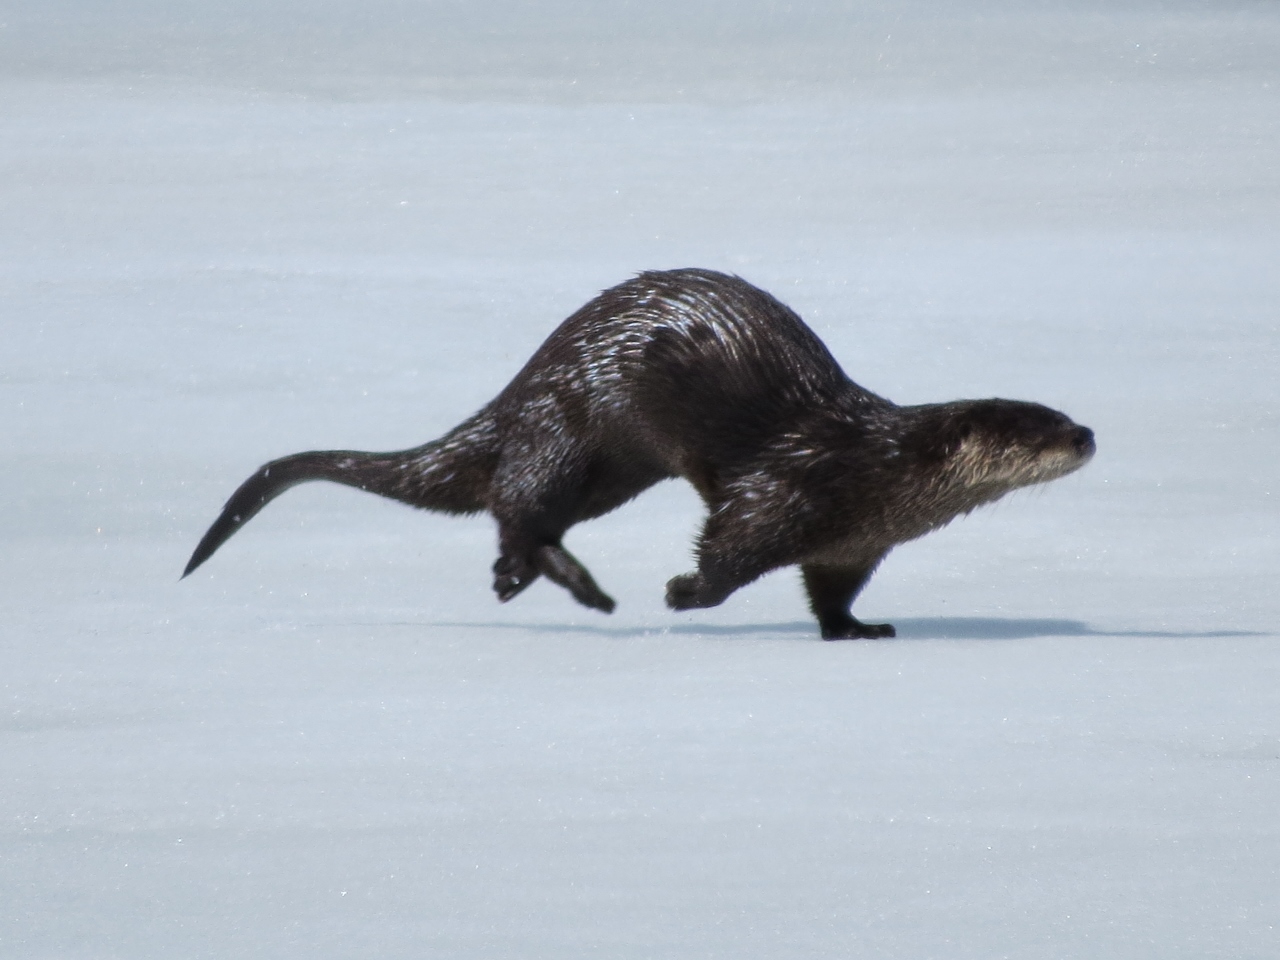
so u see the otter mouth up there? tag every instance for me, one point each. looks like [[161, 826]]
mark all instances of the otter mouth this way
[[1080, 446], [1083, 445], [1066, 456]]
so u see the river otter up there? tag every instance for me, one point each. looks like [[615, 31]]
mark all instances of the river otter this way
[[696, 374]]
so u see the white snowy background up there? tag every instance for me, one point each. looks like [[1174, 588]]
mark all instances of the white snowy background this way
[[231, 231]]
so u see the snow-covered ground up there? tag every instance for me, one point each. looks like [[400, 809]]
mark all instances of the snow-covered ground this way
[[229, 234]]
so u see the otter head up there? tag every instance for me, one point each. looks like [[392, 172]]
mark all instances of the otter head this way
[[995, 446]]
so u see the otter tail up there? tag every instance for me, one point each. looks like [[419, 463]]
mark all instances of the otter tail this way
[[450, 475]]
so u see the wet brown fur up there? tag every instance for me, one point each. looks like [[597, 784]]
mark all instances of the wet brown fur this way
[[700, 375]]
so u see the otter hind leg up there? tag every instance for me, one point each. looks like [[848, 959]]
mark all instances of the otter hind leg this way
[[563, 568], [531, 524], [545, 490], [831, 592], [514, 572]]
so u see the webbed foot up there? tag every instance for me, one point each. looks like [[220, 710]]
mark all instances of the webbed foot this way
[[853, 629]]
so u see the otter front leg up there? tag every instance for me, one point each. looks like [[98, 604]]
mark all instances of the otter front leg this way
[[731, 553], [831, 592]]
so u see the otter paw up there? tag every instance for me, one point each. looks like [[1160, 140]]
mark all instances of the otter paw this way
[[512, 575], [596, 600], [682, 591], [852, 629], [690, 591]]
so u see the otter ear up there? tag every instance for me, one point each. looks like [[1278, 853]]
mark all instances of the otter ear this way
[[944, 443], [961, 431]]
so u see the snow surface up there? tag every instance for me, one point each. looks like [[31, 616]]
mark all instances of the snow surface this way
[[230, 234]]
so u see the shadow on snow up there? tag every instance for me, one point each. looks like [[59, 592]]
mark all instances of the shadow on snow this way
[[909, 628]]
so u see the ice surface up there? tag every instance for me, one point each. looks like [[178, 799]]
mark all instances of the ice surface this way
[[230, 234]]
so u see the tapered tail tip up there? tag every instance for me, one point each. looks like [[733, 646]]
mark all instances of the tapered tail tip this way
[[202, 553]]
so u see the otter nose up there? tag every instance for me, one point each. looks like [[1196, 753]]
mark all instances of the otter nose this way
[[1083, 442]]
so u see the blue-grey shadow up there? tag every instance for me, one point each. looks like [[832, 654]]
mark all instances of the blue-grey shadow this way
[[909, 628], [1002, 628]]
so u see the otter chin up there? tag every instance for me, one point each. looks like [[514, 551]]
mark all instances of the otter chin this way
[[700, 375]]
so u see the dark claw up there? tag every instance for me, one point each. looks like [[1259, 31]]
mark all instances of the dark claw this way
[[507, 587]]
